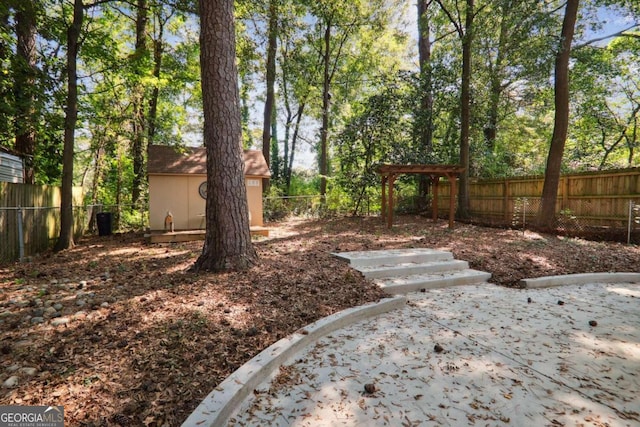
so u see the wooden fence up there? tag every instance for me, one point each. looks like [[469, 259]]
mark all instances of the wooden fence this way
[[585, 200], [36, 209]]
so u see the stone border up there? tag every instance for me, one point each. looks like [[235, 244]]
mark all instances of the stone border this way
[[580, 279], [216, 409]]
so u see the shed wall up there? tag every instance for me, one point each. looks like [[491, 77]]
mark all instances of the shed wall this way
[[11, 168], [179, 195]]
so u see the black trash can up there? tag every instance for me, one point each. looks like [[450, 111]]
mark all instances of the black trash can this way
[[103, 219]]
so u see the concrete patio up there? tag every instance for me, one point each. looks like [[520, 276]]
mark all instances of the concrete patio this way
[[470, 354]]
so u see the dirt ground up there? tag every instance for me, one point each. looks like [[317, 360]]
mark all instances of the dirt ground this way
[[120, 332]]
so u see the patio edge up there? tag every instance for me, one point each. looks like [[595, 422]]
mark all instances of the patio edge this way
[[216, 409], [580, 279]]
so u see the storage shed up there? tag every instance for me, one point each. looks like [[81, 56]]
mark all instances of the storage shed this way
[[11, 168], [178, 182]]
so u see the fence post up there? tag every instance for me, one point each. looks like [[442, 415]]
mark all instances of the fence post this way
[[20, 234], [565, 193], [629, 222], [505, 201]]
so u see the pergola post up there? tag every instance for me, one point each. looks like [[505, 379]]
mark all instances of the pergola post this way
[[452, 199], [384, 196], [391, 181], [434, 203]]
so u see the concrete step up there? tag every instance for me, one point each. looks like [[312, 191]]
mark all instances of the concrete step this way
[[416, 282], [393, 256], [410, 268]]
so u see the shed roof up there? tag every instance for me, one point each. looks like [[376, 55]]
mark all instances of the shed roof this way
[[166, 160]]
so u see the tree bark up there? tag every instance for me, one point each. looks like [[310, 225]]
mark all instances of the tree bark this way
[[426, 107], [424, 54], [465, 112], [294, 140], [323, 163], [227, 243], [6, 95], [65, 240], [547, 215], [272, 45], [491, 128], [25, 86], [158, 48], [138, 148]]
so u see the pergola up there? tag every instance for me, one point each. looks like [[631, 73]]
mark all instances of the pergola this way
[[389, 174]]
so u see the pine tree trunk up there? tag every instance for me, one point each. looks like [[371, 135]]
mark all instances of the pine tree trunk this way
[[138, 148], [491, 128], [323, 163], [271, 79], [158, 48], [25, 86], [65, 240], [6, 88], [426, 107], [465, 112], [547, 215], [227, 243], [424, 53]]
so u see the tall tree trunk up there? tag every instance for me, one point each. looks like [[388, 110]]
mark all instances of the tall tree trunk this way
[[287, 136], [275, 149], [289, 140], [25, 86], [426, 103], [65, 240], [465, 112], [324, 131], [6, 88], [272, 46], [138, 148], [294, 140], [632, 141], [158, 48], [424, 53], [547, 215], [495, 91], [227, 244]]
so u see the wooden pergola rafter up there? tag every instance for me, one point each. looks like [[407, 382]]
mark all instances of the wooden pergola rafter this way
[[389, 174]]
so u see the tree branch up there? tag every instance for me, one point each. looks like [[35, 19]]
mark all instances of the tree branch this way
[[620, 33]]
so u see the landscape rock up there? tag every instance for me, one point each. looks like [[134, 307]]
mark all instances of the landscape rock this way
[[37, 320], [60, 321], [50, 311], [10, 382], [28, 371]]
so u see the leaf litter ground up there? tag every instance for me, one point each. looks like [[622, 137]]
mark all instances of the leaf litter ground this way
[[121, 333]]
